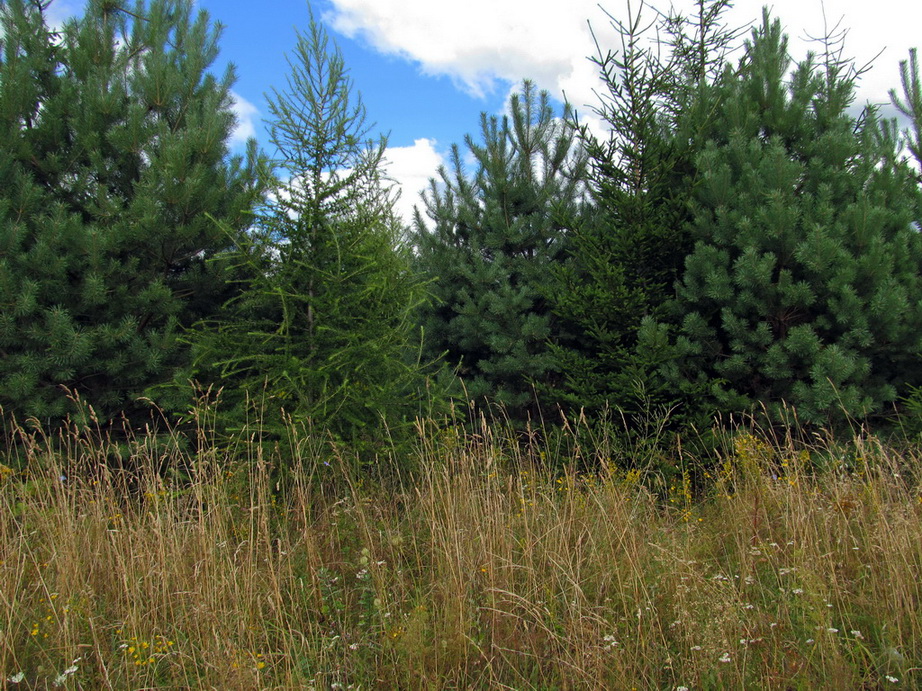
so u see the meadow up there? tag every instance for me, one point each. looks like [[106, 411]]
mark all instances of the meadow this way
[[778, 561]]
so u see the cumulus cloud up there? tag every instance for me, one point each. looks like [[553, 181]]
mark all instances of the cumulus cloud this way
[[485, 44], [489, 46], [411, 167], [479, 43], [247, 115]]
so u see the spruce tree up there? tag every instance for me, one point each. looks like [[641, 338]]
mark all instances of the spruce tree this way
[[803, 285], [620, 267], [113, 155], [322, 327], [488, 243]]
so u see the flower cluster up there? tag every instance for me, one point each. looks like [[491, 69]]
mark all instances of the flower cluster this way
[[142, 652]]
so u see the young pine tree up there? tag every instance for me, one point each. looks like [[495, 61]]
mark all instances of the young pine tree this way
[[909, 104], [804, 283], [113, 155], [491, 239], [322, 327]]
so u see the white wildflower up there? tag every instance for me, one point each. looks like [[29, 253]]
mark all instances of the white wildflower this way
[[61, 679]]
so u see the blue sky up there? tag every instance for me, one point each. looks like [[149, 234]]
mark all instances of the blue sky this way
[[422, 111], [402, 101], [427, 68]]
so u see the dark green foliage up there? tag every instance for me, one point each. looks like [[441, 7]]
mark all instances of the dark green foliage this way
[[804, 282], [322, 325], [621, 267], [490, 241], [112, 150]]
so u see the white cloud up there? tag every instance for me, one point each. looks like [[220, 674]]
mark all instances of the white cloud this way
[[411, 167], [482, 44], [478, 43], [890, 26], [408, 167], [489, 46], [246, 114]]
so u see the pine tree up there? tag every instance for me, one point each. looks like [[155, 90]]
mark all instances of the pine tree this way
[[322, 327], [490, 241], [803, 286], [113, 154], [910, 103]]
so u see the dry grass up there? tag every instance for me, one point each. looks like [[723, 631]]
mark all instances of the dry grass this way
[[483, 572]]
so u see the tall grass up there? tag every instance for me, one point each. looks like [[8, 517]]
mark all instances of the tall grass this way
[[484, 570]]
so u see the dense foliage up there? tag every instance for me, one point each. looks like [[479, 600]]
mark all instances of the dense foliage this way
[[622, 263], [803, 285], [113, 157], [322, 327], [491, 239], [740, 236]]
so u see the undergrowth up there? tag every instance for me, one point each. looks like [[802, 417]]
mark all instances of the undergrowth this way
[[774, 562]]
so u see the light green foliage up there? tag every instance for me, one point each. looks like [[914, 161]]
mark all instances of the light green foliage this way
[[491, 238], [112, 150], [804, 282], [321, 327], [910, 104]]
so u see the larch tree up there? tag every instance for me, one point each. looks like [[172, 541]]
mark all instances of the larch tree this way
[[322, 327]]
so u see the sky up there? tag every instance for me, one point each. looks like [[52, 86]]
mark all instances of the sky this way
[[426, 69]]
